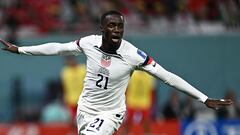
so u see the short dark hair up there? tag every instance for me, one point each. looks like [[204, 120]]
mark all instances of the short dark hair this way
[[111, 12]]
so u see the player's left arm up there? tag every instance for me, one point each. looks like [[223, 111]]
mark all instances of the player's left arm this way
[[173, 80]]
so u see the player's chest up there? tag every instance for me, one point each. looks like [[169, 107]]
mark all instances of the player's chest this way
[[113, 66]]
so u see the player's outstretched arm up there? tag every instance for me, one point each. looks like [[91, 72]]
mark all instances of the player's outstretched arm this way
[[9, 47], [180, 84], [70, 48], [217, 103]]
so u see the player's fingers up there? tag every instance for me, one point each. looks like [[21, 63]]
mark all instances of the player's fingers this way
[[222, 103], [226, 102], [4, 43]]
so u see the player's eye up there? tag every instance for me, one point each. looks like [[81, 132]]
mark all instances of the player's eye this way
[[110, 25]]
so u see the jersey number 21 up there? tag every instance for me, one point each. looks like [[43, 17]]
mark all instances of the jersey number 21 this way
[[102, 79]]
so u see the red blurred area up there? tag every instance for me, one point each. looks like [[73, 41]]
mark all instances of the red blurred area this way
[[163, 127], [37, 129], [169, 127]]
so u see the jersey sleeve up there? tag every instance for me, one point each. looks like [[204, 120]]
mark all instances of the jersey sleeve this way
[[70, 48], [173, 80]]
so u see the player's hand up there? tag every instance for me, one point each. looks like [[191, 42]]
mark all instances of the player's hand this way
[[218, 103], [8, 46]]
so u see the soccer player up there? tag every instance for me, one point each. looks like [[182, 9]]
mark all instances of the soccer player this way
[[110, 62]]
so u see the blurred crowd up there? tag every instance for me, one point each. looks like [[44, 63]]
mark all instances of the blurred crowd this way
[[32, 17]]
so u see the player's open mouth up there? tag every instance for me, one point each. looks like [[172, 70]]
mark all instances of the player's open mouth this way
[[115, 38]]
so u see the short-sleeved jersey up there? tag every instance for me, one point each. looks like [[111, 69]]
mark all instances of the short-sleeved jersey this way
[[107, 75]]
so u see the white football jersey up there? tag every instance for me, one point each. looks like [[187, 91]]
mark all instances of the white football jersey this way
[[107, 75]]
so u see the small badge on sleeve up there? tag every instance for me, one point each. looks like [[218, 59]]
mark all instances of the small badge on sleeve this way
[[142, 54]]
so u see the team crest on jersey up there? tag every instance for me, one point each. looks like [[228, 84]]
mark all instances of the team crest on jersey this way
[[142, 54], [106, 60]]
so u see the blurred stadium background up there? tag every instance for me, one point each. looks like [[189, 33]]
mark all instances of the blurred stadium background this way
[[196, 39]]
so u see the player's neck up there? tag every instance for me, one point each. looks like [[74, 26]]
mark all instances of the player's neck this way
[[107, 48]]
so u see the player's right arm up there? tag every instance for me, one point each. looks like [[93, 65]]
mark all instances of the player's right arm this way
[[71, 48], [146, 63]]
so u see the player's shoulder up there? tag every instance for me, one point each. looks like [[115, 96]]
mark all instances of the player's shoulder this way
[[132, 53], [91, 37], [127, 47], [91, 40]]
